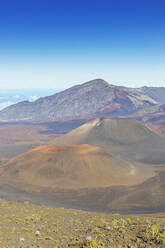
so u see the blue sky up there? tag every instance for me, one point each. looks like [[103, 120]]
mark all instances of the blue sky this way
[[56, 44]]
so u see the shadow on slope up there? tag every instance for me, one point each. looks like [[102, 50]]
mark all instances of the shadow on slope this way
[[127, 138]]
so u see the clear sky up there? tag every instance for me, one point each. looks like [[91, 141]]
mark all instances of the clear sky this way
[[57, 43]]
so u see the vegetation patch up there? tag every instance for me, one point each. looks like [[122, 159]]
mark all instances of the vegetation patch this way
[[27, 225]]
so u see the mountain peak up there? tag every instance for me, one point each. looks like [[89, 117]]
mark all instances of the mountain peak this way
[[95, 98], [97, 81]]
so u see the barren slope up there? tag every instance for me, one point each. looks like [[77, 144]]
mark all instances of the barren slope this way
[[88, 176], [80, 166], [113, 131], [29, 225], [127, 138], [90, 100]]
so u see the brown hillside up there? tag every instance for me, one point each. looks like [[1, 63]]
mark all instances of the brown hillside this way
[[24, 134], [79, 166], [127, 138], [108, 130]]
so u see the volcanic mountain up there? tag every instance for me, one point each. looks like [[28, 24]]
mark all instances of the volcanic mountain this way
[[112, 131], [105, 164], [78, 166], [127, 138], [90, 100]]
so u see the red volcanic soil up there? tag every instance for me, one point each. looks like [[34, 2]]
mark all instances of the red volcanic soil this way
[[110, 108], [120, 94], [22, 133], [158, 126], [156, 121], [92, 167], [78, 166]]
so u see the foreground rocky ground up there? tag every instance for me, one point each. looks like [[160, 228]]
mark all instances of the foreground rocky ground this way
[[23, 225]]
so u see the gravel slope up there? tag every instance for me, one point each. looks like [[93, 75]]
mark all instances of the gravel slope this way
[[25, 225]]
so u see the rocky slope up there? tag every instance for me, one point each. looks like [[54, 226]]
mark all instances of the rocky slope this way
[[27, 225], [127, 138], [89, 100], [155, 119], [156, 93]]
